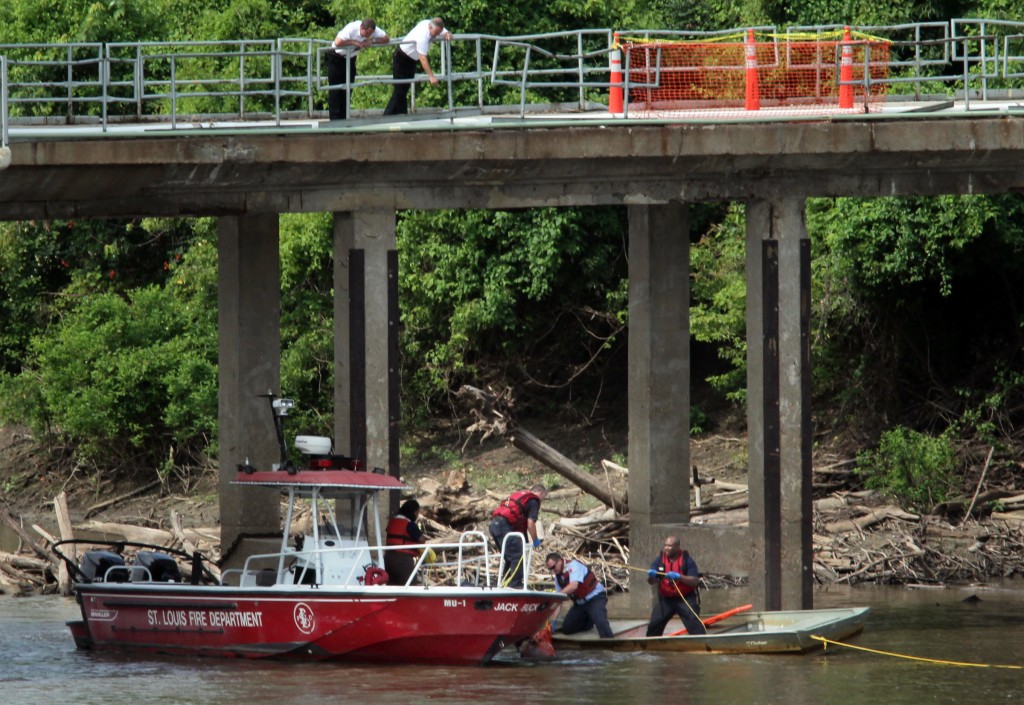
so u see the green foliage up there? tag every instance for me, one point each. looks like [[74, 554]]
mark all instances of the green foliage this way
[[888, 243], [45, 264], [540, 290], [718, 290], [893, 278], [307, 315], [910, 467], [127, 378], [66, 21], [698, 421], [987, 416]]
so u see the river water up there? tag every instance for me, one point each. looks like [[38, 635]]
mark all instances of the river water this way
[[40, 666]]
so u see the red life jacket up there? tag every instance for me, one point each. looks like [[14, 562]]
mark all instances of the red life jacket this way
[[398, 534], [513, 509], [583, 590], [671, 588]]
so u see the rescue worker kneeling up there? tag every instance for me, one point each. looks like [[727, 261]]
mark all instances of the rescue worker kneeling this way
[[589, 597], [403, 531]]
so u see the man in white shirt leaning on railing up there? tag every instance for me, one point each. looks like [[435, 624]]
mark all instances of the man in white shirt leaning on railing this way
[[410, 53], [359, 35]]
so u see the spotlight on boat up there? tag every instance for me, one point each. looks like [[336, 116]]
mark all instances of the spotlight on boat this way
[[282, 406]]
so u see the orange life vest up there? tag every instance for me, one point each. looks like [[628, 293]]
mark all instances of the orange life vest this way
[[583, 590], [398, 534], [671, 588], [513, 509]]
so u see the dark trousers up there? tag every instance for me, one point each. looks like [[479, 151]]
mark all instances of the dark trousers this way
[[399, 567], [402, 67], [337, 100], [592, 613], [688, 611], [513, 553]]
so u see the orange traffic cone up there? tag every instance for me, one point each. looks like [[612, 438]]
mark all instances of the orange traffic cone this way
[[753, 91], [846, 72], [615, 69]]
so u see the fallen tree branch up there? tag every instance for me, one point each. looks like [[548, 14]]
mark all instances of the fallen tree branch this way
[[120, 498], [536, 448]]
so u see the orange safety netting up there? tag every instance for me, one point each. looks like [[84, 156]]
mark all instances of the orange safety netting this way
[[786, 73]]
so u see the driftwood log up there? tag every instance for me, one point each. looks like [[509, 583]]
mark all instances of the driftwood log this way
[[492, 417], [537, 449]]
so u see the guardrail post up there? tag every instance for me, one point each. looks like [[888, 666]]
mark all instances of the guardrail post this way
[[522, 84], [447, 59], [580, 69], [138, 78], [479, 73], [174, 92], [5, 151], [71, 82], [278, 63], [625, 86], [105, 82], [241, 79]]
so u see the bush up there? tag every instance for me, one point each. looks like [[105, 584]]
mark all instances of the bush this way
[[912, 468], [127, 381]]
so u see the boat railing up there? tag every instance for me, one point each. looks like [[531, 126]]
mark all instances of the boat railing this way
[[466, 562], [467, 569], [525, 554]]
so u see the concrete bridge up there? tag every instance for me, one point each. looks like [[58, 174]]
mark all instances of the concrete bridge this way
[[365, 174]]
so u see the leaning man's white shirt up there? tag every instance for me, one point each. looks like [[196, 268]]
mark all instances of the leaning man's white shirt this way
[[420, 38], [350, 32]]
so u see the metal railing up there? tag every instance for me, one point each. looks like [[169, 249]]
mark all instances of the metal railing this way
[[277, 79], [4, 135]]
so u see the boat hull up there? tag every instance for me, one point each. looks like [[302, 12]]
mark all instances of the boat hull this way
[[400, 625], [751, 632]]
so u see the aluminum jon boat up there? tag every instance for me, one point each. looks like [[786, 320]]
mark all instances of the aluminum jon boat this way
[[746, 633], [324, 595]]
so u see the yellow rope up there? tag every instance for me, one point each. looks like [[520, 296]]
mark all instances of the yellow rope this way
[[509, 574], [645, 571], [826, 642]]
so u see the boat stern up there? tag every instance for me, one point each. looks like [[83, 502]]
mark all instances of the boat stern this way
[[80, 633]]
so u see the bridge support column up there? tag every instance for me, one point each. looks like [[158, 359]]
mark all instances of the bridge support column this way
[[779, 404], [349, 334], [249, 361], [659, 381], [366, 337]]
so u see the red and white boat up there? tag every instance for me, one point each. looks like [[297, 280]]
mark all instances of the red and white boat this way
[[322, 596]]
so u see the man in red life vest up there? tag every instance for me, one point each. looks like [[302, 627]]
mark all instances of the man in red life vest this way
[[589, 598], [519, 514], [402, 531], [677, 577]]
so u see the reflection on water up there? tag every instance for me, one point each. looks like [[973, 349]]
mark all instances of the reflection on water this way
[[39, 665]]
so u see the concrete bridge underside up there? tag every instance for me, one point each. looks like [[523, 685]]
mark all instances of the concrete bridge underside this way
[[249, 177]]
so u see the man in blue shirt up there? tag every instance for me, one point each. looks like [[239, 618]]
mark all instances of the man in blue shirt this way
[[589, 597]]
